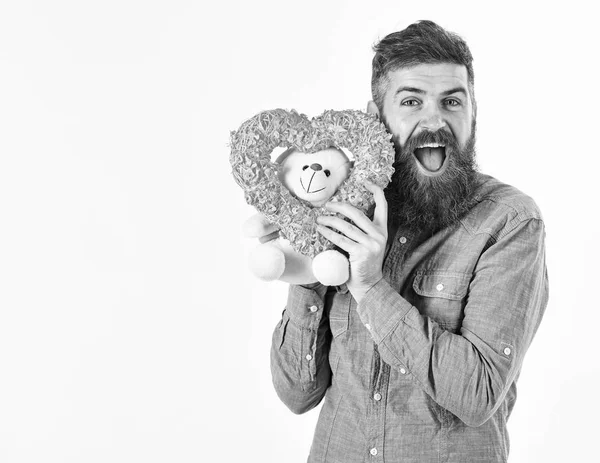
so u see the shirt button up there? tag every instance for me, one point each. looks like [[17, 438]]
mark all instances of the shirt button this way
[[367, 326], [309, 357], [403, 371], [507, 351], [402, 240], [313, 308], [439, 287], [373, 451], [377, 396]]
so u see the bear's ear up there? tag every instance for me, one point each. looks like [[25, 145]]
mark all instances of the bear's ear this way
[[283, 156]]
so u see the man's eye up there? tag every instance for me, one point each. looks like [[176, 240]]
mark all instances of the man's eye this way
[[452, 102], [410, 102]]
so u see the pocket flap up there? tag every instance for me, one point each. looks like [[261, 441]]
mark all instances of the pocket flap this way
[[447, 285]]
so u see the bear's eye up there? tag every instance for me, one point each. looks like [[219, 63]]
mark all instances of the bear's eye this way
[[305, 167], [327, 172]]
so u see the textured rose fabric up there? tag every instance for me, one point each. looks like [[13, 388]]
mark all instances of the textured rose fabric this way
[[425, 369]]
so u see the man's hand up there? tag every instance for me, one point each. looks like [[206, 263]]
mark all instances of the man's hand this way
[[365, 241]]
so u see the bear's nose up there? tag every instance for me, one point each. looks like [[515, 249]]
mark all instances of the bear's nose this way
[[316, 166]]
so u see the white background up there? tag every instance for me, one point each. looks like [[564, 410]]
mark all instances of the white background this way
[[130, 327]]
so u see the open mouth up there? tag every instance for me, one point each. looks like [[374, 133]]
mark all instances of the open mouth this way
[[431, 158]]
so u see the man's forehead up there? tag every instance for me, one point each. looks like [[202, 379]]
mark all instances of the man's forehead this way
[[431, 78]]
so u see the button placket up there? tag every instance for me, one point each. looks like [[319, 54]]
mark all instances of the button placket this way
[[396, 253]]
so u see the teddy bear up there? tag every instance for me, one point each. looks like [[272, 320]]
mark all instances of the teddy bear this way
[[290, 191], [314, 178]]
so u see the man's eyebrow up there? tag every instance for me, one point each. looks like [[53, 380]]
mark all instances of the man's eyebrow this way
[[459, 89], [409, 89], [455, 90]]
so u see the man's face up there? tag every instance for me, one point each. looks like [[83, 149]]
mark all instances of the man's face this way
[[428, 97], [430, 113]]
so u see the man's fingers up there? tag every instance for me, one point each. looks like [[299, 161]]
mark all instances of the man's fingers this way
[[359, 219], [381, 205], [339, 240], [379, 222], [342, 226]]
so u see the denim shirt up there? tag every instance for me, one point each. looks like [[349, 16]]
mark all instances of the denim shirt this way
[[425, 368]]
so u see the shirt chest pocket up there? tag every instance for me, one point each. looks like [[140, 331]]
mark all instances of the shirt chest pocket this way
[[442, 296]]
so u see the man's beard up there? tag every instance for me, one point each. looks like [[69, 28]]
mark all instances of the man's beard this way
[[423, 203]]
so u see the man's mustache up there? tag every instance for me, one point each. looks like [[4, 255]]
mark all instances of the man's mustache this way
[[441, 136]]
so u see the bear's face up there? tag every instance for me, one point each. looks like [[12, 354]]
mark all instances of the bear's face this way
[[314, 177]]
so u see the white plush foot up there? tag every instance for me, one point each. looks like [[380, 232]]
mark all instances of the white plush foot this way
[[331, 268], [267, 262]]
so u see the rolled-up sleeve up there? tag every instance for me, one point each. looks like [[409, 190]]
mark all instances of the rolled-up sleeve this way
[[469, 373], [300, 347]]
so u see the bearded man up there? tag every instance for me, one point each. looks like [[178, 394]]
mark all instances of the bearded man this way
[[418, 355]]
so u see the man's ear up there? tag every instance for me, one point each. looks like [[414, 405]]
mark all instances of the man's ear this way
[[373, 109]]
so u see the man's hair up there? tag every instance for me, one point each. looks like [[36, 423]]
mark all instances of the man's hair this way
[[423, 42]]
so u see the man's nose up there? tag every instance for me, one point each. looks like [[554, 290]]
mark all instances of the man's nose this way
[[432, 119]]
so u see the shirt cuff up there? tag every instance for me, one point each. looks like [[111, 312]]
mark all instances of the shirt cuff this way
[[382, 309], [305, 305]]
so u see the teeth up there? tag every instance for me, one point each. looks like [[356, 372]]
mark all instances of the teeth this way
[[431, 145]]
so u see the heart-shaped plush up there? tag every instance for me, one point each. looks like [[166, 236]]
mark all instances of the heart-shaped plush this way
[[359, 133]]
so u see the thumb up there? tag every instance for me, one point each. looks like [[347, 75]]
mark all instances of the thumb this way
[[381, 205]]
